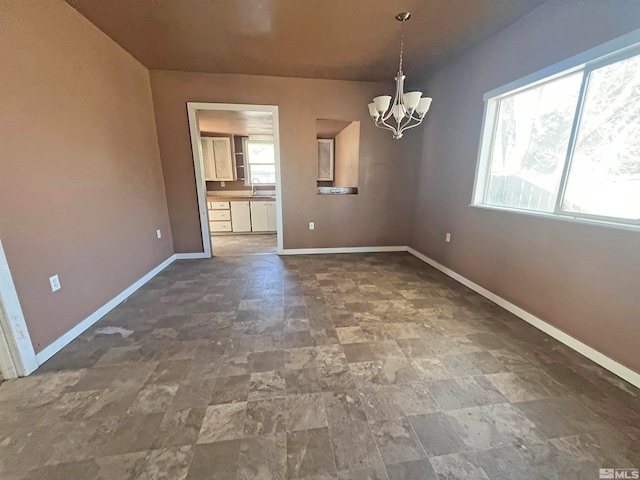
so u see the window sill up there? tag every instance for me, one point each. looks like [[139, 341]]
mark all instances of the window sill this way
[[563, 218]]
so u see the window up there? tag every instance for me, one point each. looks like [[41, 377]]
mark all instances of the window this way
[[260, 161], [567, 145]]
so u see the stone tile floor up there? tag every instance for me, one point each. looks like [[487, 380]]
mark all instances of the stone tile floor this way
[[249, 244], [318, 367]]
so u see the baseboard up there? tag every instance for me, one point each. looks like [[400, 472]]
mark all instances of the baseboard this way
[[65, 339], [320, 251], [191, 256], [592, 354]]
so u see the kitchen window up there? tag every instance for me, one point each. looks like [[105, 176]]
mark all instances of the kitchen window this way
[[566, 145], [260, 161]]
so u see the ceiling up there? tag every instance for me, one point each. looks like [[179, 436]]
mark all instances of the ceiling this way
[[337, 39], [235, 122]]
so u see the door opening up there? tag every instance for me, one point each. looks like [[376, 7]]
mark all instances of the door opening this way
[[236, 154]]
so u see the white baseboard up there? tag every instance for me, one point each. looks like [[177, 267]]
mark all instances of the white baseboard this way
[[191, 256], [592, 354], [320, 251], [65, 339], [582, 348]]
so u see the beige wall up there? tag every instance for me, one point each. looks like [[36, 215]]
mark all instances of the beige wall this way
[[582, 278], [236, 185], [376, 216], [347, 156], [81, 190]]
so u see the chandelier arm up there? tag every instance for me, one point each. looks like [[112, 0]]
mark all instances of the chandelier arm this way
[[407, 122], [418, 121], [396, 97], [411, 126], [383, 124], [417, 117]]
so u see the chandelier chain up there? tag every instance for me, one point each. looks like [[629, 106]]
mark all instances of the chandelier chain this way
[[401, 47]]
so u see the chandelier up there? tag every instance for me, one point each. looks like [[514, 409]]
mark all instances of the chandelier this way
[[408, 109]]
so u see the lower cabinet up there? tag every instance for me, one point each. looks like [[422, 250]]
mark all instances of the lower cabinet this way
[[220, 226], [259, 221], [241, 216], [219, 216], [271, 217], [263, 216]]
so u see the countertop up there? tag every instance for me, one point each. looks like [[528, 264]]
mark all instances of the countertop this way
[[238, 198]]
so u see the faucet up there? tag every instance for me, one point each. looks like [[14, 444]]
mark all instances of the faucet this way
[[254, 183]]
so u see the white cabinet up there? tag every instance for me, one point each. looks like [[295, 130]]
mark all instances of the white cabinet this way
[[259, 220], [325, 159], [218, 205], [240, 217], [271, 217], [219, 216], [217, 158], [263, 216], [220, 226], [207, 158]]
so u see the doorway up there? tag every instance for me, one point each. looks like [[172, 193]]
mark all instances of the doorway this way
[[7, 365], [17, 357], [236, 155]]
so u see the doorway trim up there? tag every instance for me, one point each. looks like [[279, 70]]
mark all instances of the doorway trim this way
[[17, 356], [196, 149]]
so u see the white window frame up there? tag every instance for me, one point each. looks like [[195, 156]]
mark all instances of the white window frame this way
[[248, 181], [614, 51]]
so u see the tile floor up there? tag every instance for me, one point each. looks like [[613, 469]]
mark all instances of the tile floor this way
[[253, 244], [317, 367]]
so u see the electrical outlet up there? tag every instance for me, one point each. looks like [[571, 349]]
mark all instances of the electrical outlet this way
[[312, 225], [55, 283], [447, 237], [159, 233], [222, 184]]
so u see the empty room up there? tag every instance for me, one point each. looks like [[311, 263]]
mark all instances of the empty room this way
[[319, 239]]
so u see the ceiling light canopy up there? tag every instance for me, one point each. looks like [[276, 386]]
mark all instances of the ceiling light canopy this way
[[407, 109]]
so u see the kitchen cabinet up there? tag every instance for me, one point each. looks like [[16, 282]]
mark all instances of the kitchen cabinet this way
[[219, 217], [325, 160], [263, 216], [217, 159], [259, 216], [271, 217], [240, 217]]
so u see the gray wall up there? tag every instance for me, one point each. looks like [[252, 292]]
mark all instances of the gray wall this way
[[582, 278]]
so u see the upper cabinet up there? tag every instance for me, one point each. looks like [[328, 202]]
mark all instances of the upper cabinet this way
[[325, 160], [218, 159]]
